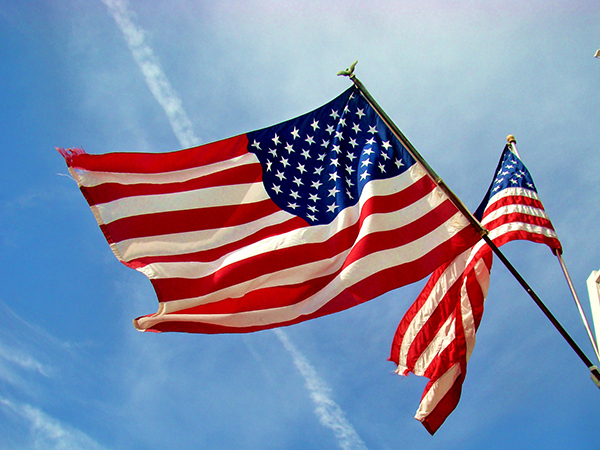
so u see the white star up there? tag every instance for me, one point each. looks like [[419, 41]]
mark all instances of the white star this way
[[316, 184], [356, 128], [349, 182], [273, 152], [353, 143], [301, 168], [322, 156], [342, 122], [311, 217], [306, 154], [386, 144], [295, 133], [276, 139], [325, 143], [334, 162], [349, 169], [360, 113], [364, 175], [289, 148], [318, 170], [381, 167], [333, 191], [398, 163], [332, 207], [280, 175], [339, 135], [372, 130], [333, 176], [346, 109], [514, 181], [366, 162], [336, 148], [351, 156], [298, 181], [256, 145], [295, 195], [285, 162], [309, 139], [349, 194], [334, 114], [385, 156], [277, 189], [330, 129], [314, 197], [371, 141], [312, 208], [368, 151], [315, 125], [292, 205], [269, 164]]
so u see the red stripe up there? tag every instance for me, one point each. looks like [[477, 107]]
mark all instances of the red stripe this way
[[161, 162], [180, 288], [157, 224], [516, 218], [108, 192], [215, 253], [367, 289], [512, 200]]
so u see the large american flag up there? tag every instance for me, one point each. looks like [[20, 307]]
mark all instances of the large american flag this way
[[273, 227], [436, 336]]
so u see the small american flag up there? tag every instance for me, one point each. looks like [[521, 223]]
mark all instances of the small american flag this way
[[436, 336], [273, 227]]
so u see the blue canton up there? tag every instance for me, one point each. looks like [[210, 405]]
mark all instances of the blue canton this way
[[511, 173], [318, 164]]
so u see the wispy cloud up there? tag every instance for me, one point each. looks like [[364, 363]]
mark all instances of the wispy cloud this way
[[48, 432], [328, 411], [156, 79]]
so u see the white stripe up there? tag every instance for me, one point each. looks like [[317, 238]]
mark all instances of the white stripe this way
[[355, 272], [444, 283], [511, 192], [237, 194], [178, 243], [195, 241], [514, 209], [90, 178], [436, 392], [315, 234], [443, 338]]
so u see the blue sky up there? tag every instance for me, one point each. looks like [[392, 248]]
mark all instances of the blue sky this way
[[456, 77]]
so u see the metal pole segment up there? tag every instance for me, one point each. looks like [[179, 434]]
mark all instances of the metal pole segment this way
[[413, 151], [513, 144], [592, 368], [577, 303]]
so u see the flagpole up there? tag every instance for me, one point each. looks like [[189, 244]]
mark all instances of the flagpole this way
[[412, 150], [474, 222], [513, 145]]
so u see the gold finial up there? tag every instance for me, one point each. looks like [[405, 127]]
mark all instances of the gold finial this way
[[510, 139], [348, 72]]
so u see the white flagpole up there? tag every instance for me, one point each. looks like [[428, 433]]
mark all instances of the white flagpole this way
[[513, 145]]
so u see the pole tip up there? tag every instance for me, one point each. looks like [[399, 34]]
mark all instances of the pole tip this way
[[510, 139], [349, 71]]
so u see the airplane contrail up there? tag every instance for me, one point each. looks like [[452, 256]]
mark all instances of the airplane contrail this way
[[156, 79], [328, 411]]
